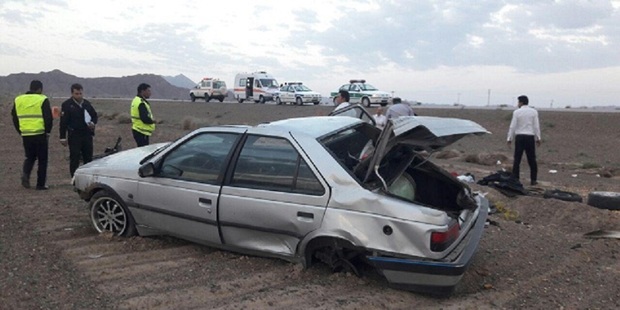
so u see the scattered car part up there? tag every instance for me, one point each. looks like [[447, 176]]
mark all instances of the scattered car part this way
[[603, 234], [604, 200], [562, 195]]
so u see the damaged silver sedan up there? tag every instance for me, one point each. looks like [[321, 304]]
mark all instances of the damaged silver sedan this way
[[335, 190]]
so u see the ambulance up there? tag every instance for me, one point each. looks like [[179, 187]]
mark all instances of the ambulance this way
[[257, 86]]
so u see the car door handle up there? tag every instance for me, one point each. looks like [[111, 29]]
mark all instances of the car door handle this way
[[305, 214], [204, 200]]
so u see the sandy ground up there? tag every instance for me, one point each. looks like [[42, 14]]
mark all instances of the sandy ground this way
[[534, 255]]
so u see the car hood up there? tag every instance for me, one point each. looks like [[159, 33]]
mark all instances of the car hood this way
[[122, 164], [422, 133]]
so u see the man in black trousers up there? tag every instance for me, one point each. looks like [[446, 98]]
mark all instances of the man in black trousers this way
[[525, 130], [77, 127], [32, 118]]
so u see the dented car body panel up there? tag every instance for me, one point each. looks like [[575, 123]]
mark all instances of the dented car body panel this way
[[313, 189]]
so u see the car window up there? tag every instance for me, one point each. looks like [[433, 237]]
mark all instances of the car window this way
[[274, 164], [355, 88], [199, 159], [368, 87], [344, 87], [351, 146], [242, 82]]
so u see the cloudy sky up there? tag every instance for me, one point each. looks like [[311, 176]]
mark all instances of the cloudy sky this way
[[560, 53]]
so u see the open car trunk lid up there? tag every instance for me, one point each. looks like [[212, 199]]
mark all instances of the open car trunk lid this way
[[421, 133]]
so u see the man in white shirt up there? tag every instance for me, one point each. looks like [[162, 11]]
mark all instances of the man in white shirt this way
[[342, 100], [525, 131], [380, 118]]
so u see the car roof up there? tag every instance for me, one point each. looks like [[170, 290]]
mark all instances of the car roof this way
[[314, 126]]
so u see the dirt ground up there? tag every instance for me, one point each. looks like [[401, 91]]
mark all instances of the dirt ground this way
[[533, 255]]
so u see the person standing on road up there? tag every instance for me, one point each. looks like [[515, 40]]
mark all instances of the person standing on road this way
[[380, 118], [525, 130], [143, 123], [342, 100], [32, 118], [399, 108], [77, 118]]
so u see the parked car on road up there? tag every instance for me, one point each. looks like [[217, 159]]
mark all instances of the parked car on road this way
[[363, 93], [298, 94], [209, 88], [330, 189]]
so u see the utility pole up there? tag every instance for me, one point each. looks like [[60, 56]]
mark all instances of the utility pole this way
[[458, 98], [489, 98], [551, 104]]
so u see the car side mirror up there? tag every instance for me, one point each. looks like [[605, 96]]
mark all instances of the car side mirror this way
[[146, 170]]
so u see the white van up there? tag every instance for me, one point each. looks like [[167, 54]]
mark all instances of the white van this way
[[258, 86], [209, 88]]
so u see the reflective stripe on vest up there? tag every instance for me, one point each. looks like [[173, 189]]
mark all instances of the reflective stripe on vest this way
[[137, 124], [29, 110]]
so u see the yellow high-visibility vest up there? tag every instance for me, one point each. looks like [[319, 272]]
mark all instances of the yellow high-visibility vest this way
[[29, 110], [137, 124]]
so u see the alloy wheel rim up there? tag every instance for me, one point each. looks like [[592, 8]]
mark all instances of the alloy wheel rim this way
[[109, 216]]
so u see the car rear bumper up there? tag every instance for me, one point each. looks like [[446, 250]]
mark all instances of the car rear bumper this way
[[432, 277]]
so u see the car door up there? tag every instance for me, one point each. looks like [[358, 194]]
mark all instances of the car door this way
[[272, 197], [287, 95], [181, 198]]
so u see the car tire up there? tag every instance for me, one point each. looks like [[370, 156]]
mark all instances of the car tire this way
[[562, 195], [334, 100], [366, 102], [221, 99], [316, 102], [108, 213], [191, 96], [604, 200], [239, 100], [207, 98], [299, 101], [278, 101], [261, 100], [383, 104]]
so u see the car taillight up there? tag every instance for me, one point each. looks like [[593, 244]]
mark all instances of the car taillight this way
[[441, 240]]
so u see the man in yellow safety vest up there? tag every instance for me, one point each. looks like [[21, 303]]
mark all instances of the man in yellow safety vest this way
[[142, 121], [32, 118]]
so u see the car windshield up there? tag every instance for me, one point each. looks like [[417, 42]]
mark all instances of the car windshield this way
[[271, 83], [219, 84], [302, 88], [367, 87]]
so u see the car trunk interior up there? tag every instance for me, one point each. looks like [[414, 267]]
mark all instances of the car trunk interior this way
[[410, 176]]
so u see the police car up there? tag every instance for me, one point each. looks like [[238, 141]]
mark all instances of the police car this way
[[363, 93], [297, 93]]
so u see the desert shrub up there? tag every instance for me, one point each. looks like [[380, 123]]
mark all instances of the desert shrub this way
[[123, 119], [549, 125], [590, 165], [567, 107], [189, 123]]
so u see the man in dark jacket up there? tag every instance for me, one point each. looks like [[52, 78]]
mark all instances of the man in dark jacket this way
[[77, 127], [32, 118]]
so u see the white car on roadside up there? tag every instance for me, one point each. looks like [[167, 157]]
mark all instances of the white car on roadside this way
[[297, 93]]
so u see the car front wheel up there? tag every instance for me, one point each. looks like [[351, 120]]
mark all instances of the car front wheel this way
[[108, 213], [299, 101], [207, 97], [278, 101], [192, 97]]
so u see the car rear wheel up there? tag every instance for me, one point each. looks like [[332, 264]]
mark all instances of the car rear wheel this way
[[221, 99], [366, 102], [192, 97], [261, 100], [383, 104], [207, 97], [298, 101], [108, 213], [240, 100]]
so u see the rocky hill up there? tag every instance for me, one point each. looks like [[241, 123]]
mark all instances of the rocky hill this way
[[57, 84]]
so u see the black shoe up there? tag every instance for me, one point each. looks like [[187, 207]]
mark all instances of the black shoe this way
[[43, 188], [25, 182]]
